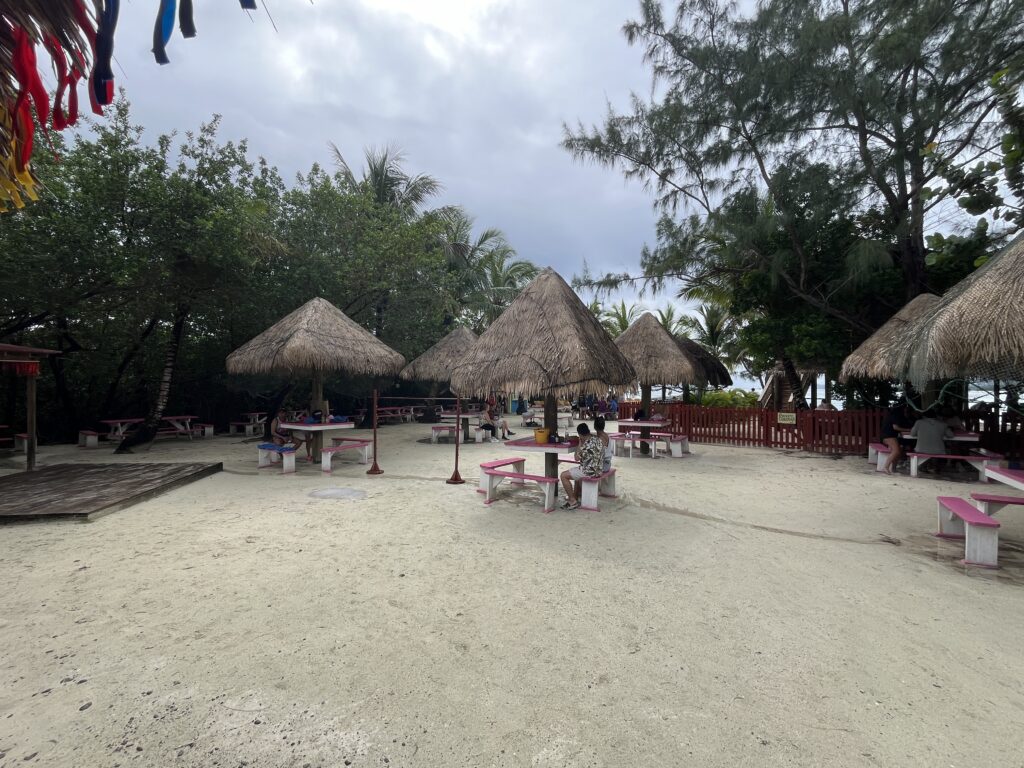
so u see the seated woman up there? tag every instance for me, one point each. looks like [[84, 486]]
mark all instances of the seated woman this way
[[493, 422], [283, 436], [897, 420]]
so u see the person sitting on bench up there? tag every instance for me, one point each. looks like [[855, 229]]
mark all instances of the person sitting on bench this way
[[492, 421], [282, 436], [931, 433], [896, 420], [590, 455]]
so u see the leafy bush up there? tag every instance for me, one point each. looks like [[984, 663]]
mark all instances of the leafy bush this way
[[733, 398]]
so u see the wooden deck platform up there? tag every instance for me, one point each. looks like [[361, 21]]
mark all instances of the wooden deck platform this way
[[87, 491]]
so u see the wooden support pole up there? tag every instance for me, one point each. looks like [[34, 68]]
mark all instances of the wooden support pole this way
[[456, 478], [645, 403], [551, 422], [30, 408], [317, 404], [375, 469]]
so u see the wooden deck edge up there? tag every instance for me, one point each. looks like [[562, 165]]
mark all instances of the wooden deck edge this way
[[147, 495]]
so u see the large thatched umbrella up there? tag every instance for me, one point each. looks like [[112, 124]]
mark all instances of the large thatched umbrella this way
[[878, 357], [657, 358], [715, 372], [436, 363], [315, 339], [546, 342], [975, 329]]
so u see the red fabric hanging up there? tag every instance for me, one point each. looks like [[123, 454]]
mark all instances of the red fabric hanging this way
[[24, 368]]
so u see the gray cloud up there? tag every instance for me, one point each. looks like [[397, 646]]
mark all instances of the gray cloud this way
[[478, 103]]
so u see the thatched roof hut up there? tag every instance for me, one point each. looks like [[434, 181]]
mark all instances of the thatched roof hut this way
[[656, 357], [715, 372], [545, 342], [878, 357], [315, 338], [437, 363], [975, 329]]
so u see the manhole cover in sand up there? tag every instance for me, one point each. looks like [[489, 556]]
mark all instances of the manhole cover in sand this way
[[338, 493]]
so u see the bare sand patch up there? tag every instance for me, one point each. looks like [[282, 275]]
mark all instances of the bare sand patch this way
[[739, 607]]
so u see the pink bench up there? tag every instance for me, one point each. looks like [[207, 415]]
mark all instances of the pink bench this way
[[518, 464], [272, 453], [86, 438], [959, 519], [593, 487], [978, 462], [496, 476], [344, 444], [450, 430], [990, 503]]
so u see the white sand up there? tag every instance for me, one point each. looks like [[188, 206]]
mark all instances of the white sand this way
[[736, 608]]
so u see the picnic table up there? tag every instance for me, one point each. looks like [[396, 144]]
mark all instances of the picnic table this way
[[181, 425], [316, 431], [256, 417], [958, 437], [529, 444], [465, 416], [1011, 477], [119, 427]]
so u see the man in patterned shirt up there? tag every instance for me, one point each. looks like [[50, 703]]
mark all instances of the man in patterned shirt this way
[[590, 455]]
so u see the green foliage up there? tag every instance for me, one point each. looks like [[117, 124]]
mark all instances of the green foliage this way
[[793, 149], [147, 264], [732, 398]]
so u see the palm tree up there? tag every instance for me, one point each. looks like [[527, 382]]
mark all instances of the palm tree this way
[[386, 180], [670, 321], [499, 279], [619, 317]]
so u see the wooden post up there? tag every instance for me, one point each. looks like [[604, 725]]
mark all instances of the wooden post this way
[[317, 404], [456, 478], [814, 391], [375, 470], [645, 403], [551, 422], [30, 408]]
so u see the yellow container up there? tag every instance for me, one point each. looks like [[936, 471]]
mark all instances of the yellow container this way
[[540, 436]]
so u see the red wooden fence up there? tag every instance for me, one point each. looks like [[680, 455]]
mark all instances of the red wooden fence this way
[[831, 432]]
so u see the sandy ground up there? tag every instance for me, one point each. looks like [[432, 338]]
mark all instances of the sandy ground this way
[[739, 607]]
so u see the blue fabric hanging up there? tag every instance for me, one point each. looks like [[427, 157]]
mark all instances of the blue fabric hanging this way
[[163, 29]]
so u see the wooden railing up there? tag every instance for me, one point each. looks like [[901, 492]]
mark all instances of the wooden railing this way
[[830, 432]]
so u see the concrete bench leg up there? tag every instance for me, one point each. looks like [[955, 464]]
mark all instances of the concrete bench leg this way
[[364, 455], [265, 459], [588, 495], [549, 496], [20, 444], [872, 453], [606, 487], [325, 461], [980, 465], [880, 459], [288, 463], [479, 435], [950, 526], [915, 464], [520, 468], [491, 489], [982, 546], [250, 430], [433, 435]]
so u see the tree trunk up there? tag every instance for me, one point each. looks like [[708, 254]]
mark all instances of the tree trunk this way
[[147, 430], [108, 399]]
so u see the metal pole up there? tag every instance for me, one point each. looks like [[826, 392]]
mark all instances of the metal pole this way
[[375, 470], [456, 478]]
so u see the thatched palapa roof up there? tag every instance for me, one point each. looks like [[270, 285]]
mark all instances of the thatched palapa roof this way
[[656, 357], [715, 372], [437, 363], [976, 330], [316, 337], [877, 357], [545, 342]]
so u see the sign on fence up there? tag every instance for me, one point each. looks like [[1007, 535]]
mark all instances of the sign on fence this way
[[787, 418]]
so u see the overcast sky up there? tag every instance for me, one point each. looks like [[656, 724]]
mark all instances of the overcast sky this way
[[474, 91]]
